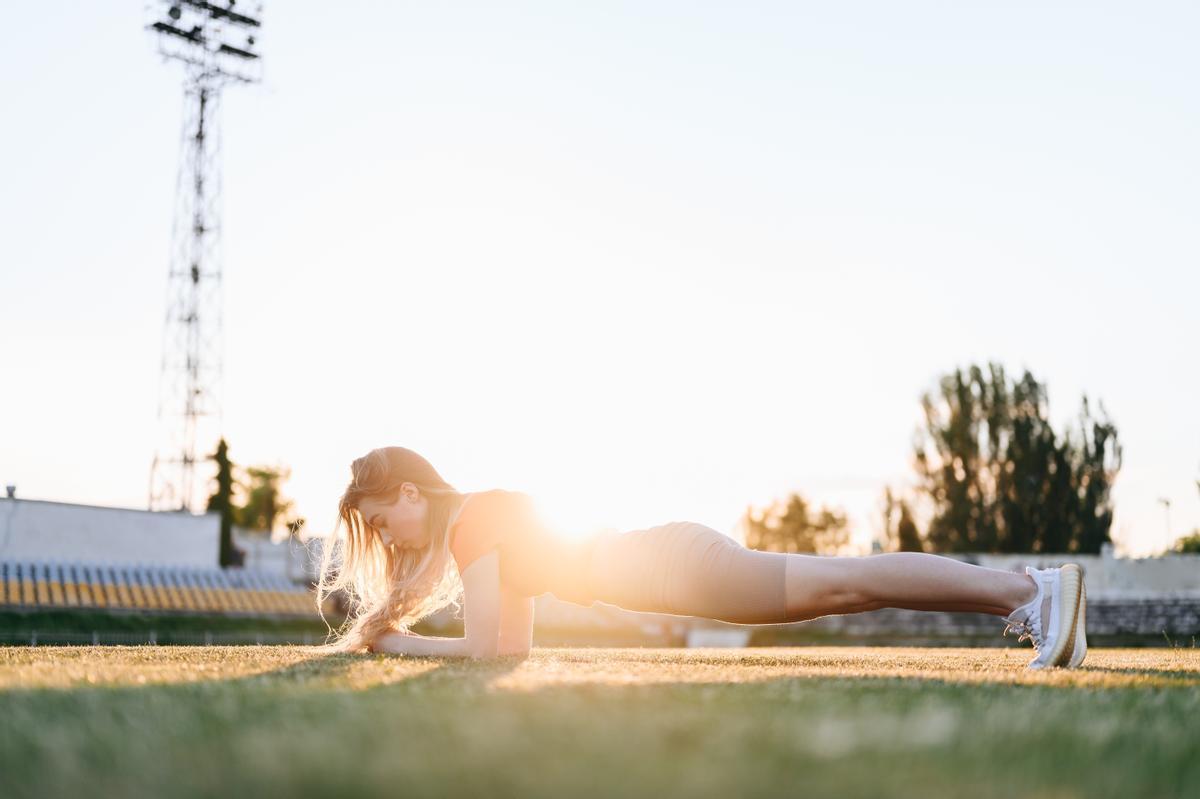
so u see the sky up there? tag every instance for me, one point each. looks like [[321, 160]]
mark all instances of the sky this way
[[645, 261]]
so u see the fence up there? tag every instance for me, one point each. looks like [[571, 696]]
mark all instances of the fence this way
[[154, 638]]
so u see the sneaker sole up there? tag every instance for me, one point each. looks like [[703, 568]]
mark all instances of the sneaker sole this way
[[1079, 652], [1072, 591]]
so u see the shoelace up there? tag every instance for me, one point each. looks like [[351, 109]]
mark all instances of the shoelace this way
[[1026, 629]]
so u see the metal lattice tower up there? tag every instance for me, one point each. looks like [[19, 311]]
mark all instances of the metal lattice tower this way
[[216, 42]]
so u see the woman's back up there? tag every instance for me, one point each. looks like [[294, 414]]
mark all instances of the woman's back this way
[[534, 558]]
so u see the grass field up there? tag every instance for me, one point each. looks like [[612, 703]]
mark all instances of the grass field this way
[[793, 721]]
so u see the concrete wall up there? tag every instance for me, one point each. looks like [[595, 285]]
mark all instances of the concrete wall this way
[[1107, 576], [39, 530]]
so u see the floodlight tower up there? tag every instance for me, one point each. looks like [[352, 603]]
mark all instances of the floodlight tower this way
[[216, 43]]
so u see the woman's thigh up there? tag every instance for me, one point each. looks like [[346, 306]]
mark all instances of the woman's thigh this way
[[687, 569]]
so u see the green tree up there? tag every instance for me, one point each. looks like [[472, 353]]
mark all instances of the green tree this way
[[1188, 543], [899, 528], [250, 498], [789, 526], [222, 501], [265, 509], [998, 476]]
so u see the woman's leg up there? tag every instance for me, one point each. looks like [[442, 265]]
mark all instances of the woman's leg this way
[[821, 586], [688, 569]]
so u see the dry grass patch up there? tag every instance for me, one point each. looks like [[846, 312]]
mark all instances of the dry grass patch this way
[[66, 667]]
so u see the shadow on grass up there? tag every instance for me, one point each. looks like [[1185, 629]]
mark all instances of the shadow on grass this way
[[328, 673]]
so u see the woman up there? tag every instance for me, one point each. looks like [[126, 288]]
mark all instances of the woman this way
[[414, 544]]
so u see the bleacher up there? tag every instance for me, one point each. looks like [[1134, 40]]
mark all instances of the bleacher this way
[[57, 585]]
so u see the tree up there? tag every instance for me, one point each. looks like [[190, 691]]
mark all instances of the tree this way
[[222, 501], [264, 504], [262, 509], [899, 529], [999, 478], [788, 526], [1188, 543]]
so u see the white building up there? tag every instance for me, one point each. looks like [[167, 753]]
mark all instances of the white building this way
[[290, 558], [43, 530]]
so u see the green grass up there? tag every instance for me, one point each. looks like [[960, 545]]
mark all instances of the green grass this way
[[812, 722]]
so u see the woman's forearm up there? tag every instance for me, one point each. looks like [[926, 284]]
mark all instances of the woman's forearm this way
[[398, 643]]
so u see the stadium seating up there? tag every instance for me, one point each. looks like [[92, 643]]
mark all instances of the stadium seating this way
[[50, 584]]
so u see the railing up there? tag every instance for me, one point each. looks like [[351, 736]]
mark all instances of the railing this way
[[154, 638]]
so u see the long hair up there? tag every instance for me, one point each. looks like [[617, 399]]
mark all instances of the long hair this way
[[388, 588]]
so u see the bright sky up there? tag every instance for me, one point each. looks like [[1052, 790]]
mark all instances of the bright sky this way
[[645, 261]]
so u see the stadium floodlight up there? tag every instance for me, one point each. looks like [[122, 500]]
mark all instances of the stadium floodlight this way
[[217, 44], [215, 40]]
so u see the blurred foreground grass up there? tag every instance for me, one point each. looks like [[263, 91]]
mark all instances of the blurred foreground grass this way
[[792, 721]]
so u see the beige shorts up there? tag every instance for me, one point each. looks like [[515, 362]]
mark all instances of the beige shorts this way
[[687, 569]]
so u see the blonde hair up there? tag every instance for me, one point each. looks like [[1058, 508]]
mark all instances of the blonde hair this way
[[388, 588]]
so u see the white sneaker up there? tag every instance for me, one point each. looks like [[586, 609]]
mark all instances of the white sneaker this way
[[1050, 617], [1080, 650]]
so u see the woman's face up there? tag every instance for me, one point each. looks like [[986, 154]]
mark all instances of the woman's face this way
[[401, 524]]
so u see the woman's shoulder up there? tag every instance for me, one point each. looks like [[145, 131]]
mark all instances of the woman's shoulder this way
[[501, 496]]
